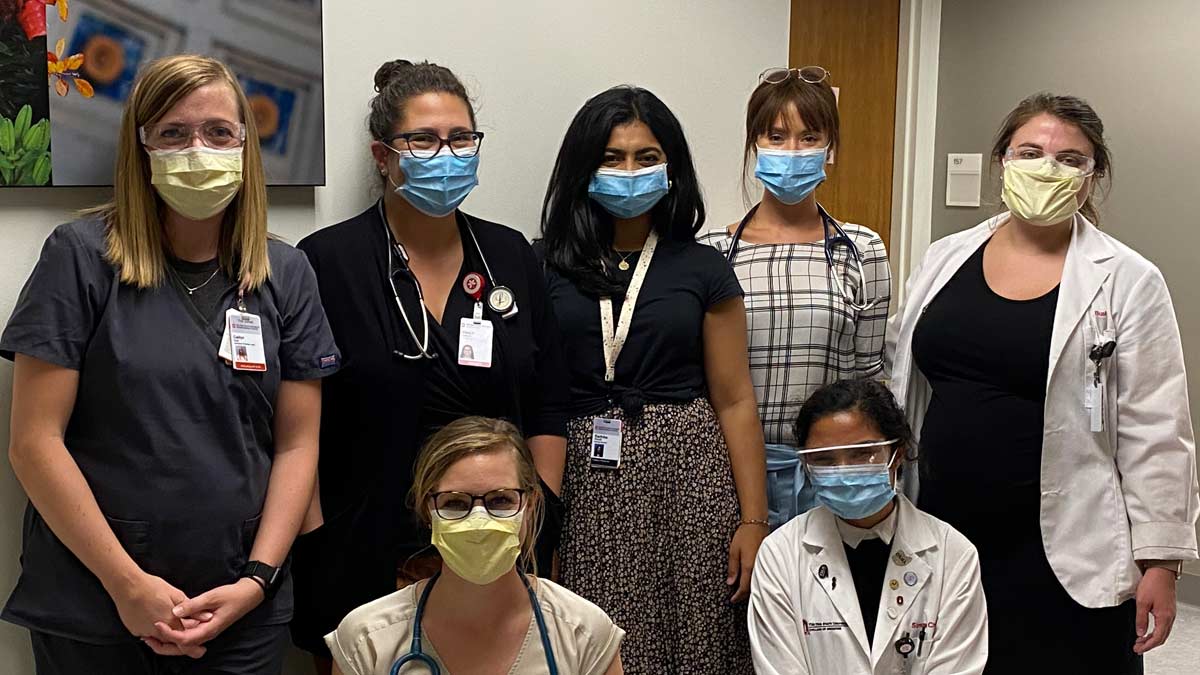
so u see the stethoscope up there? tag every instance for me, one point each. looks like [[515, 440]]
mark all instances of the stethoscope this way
[[500, 299], [856, 301], [416, 654]]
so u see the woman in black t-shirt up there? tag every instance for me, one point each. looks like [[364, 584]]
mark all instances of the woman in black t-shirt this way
[[663, 518]]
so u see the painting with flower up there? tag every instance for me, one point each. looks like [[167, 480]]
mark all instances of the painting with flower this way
[[68, 66]]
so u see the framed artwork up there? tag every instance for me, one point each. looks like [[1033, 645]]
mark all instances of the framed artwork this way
[[68, 66]]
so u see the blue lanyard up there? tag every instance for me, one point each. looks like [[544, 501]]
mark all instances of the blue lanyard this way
[[416, 654]]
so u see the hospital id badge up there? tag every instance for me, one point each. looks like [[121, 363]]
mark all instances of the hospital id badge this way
[[475, 343], [243, 341], [606, 443]]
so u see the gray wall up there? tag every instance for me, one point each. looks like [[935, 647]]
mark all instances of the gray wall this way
[[1138, 63]]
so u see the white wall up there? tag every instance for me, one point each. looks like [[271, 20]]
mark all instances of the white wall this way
[[529, 65]]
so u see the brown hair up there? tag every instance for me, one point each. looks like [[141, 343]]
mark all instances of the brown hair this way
[[815, 103], [136, 243], [1070, 109], [474, 436], [399, 80]]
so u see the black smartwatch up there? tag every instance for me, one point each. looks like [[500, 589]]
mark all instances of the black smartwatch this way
[[262, 574]]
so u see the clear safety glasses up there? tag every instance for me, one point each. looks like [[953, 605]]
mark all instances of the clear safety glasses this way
[[216, 134], [1071, 160], [809, 74], [858, 454]]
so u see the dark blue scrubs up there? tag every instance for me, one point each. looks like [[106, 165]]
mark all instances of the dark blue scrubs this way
[[176, 446]]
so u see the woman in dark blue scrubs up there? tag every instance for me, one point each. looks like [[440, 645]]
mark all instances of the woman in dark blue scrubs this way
[[409, 284], [166, 483]]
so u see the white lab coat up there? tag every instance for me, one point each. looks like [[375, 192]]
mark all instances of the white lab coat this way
[[1127, 492], [803, 622]]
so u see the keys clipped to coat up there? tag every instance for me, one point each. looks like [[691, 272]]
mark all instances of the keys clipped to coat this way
[[1098, 354]]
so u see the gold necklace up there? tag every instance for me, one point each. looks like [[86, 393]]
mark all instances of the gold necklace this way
[[624, 264]]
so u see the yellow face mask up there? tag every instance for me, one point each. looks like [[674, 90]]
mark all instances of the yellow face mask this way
[[479, 548], [197, 182], [1041, 191]]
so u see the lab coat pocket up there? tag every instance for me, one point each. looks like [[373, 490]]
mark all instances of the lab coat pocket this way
[[134, 536]]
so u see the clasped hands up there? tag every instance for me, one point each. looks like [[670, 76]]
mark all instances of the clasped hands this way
[[172, 624]]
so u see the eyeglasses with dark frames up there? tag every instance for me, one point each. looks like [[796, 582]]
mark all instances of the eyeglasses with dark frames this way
[[425, 145], [454, 505]]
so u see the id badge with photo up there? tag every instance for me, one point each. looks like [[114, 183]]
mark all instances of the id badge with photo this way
[[242, 343], [475, 343], [606, 443]]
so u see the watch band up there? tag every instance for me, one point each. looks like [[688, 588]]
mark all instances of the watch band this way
[[262, 573]]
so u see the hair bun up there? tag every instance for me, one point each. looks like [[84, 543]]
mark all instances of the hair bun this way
[[391, 71]]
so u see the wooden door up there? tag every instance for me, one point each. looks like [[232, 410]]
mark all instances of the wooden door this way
[[857, 41]]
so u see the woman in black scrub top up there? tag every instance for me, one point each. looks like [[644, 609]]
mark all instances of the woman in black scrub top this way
[[665, 480], [166, 483], [410, 284]]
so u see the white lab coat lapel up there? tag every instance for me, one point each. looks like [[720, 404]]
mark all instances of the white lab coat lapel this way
[[911, 541], [1084, 273], [825, 544]]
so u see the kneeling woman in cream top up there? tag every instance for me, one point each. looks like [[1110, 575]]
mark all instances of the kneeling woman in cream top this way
[[476, 486]]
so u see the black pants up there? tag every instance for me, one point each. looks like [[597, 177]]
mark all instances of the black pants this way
[[253, 650]]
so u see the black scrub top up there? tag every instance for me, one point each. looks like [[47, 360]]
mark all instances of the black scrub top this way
[[663, 357], [380, 407], [176, 446]]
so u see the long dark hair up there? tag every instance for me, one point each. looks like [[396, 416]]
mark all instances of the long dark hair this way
[[1072, 110], [869, 397], [577, 233]]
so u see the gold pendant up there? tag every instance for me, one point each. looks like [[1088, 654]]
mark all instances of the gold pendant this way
[[623, 266]]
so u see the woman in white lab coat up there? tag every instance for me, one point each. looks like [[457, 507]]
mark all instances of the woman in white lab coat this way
[[1040, 364], [865, 583]]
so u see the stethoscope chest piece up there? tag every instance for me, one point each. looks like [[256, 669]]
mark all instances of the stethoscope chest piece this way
[[502, 301], [905, 646]]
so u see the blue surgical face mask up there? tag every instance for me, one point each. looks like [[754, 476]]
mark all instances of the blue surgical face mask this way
[[791, 175], [855, 491], [436, 186], [629, 194]]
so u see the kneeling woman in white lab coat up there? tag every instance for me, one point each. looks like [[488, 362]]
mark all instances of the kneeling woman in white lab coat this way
[[865, 582]]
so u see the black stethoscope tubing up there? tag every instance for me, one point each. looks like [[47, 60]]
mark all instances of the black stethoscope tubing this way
[[830, 243], [397, 250]]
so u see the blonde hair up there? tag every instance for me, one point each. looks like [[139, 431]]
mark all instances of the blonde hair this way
[[477, 436], [135, 239]]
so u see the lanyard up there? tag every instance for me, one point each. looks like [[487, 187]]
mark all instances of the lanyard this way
[[614, 340]]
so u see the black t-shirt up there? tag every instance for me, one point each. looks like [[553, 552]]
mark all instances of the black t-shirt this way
[[986, 358], [868, 565], [205, 279], [663, 357]]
